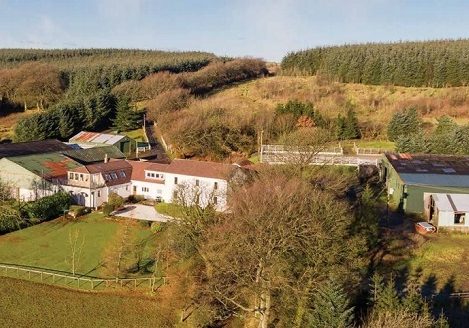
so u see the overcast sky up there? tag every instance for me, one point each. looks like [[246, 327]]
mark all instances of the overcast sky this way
[[260, 28]]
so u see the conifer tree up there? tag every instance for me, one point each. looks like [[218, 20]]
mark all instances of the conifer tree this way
[[330, 308], [126, 117], [403, 123]]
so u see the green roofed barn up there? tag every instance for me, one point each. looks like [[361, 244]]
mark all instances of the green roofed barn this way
[[35, 176], [409, 176]]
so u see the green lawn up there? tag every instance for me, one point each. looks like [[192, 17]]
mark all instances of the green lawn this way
[[47, 245], [28, 304], [136, 134], [445, 257], [169, 209]]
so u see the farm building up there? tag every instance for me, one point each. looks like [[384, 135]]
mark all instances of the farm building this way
[[94, 155], [86, 139], [408, 177], [32, 147], [36, 176], [449, 211]]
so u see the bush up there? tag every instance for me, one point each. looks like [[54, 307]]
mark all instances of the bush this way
[[107, 208], [156, 227], [49, 207], [135, 199], [77, 211], [115, 200], [402, 123]]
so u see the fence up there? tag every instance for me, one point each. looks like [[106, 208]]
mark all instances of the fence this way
[[82, 282], [279, 154], [368, 151]]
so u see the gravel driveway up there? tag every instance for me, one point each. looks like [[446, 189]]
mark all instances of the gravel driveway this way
[[141, 212]]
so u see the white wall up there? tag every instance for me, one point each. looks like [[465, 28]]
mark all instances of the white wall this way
[[446, 220]]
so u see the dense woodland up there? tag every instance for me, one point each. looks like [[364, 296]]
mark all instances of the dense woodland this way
[[430, 63]]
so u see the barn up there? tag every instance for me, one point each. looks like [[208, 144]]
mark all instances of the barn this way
[[409, 176]]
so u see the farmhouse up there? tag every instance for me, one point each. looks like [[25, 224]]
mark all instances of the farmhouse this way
[[90, 185], [449, 211], [191, 181], [409, 176], [86, 139]]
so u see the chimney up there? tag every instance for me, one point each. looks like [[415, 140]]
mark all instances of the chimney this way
[[106, 159]]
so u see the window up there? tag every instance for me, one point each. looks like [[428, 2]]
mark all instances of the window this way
[[175, 180], [99, 193], [122, 174], [81, 177], [126, 188], [113, 175], [76, 176], [215, 200], [197, 182], [107, 177], [70, 176], [145, 189], [215, 185], [459, 218]]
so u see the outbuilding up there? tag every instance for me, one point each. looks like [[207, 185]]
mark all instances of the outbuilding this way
[[409, 176], [449, 211]]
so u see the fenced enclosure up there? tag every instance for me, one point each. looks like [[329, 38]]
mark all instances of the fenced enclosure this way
[[83, 282], [282, 154], [368, 150]]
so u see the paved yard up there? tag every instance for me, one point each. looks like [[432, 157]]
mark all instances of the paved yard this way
[[141, 212]]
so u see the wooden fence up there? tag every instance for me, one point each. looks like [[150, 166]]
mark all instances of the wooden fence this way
[[368, 151], [78, 281]]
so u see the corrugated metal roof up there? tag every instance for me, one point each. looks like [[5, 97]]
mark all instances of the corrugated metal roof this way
[[33, 147], [452, 202], [95, 154], [52, 165], [95, 137], [441, 180]]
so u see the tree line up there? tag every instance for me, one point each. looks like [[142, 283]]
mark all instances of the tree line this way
[[428, 63], [407, 131]]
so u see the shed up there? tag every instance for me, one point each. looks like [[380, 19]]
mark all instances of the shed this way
[[447, 210], [93, 139], [409, 176]]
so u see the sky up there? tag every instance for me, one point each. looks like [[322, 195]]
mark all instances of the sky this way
[[266, 29]]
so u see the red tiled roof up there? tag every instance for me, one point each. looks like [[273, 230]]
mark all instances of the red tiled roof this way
[[138, 170], [201, 169]]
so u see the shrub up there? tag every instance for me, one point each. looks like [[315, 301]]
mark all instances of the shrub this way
[[404, 122], [49, 207], [77, 211], [135, 199], [156, 227], [107, 208]]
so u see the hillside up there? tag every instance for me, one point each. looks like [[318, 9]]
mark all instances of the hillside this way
[[428, 63], [248, 108]]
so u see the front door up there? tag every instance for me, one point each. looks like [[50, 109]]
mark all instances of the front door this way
[[134, 190]]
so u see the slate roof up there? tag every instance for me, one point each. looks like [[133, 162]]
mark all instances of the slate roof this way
[[93, 155], [97, 138], [114, 172], [49, 165], [31, 148]]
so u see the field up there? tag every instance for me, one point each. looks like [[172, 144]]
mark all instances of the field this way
[[443, 261], [99, 240], [27, 304]]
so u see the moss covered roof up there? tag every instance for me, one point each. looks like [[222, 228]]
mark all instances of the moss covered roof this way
[[51, 165]]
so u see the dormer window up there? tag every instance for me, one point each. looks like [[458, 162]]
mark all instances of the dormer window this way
[[113, 176], [70, 176], [122, 174]]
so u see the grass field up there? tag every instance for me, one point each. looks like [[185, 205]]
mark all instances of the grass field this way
[[27, 304], [443, 260], [48, 246]]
